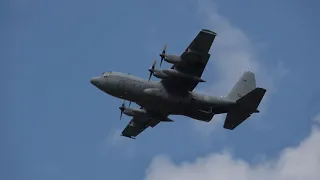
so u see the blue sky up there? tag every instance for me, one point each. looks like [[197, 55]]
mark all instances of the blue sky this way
[[56, 125]]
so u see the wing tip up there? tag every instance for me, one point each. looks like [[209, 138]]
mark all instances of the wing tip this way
[[209, 32], [229, 127], [131, 137]]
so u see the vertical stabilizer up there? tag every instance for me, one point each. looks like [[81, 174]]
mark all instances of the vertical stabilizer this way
[[245, 84]]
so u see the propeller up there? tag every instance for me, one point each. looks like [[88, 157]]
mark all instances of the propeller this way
[[122, 108], [151, 69], [163, 54], [130, 101]]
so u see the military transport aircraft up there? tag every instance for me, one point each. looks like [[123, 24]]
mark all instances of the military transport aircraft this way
[[174, 95]]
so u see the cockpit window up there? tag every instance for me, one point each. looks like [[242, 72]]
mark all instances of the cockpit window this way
[[105, 74]]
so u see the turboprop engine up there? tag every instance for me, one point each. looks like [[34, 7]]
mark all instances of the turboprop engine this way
[[172, 59], [157, 73], [166, 73], [142, 113], [131, 111]]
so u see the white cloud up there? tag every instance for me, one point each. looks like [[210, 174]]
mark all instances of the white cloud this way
[[114, 140], [294, 163], [317, 118], [233, 53]]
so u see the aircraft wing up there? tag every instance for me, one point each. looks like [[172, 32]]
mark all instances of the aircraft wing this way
[[137, 125], [194, 59]]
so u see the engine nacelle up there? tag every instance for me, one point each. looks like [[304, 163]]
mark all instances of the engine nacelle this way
[[134, 112], [172, 59], [160, 74], [175, 73]]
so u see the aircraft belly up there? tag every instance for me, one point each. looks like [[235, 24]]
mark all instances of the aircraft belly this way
[[158, 106], [152, 97], [166, 106], [199, 112]]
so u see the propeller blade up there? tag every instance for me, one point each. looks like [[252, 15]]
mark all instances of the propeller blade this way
[[123, 104], [129, 104], [151, 69], [154, 64], [163, 54], [150, 76], [122, 108]]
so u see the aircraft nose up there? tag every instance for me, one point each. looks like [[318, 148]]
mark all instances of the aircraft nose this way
[[95, 81]]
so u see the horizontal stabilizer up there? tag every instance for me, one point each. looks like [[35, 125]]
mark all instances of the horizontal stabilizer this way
[[246, 105], [251, 101]]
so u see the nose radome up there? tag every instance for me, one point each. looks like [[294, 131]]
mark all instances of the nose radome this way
[[95, 81]]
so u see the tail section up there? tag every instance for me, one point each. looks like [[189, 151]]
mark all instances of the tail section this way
[[248, 98], [251, 101], [245, 84]]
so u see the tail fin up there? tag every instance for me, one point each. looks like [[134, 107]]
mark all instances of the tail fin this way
[[246, 105], [245, 84]]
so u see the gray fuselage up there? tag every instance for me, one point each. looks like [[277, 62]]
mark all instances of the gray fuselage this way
[[154, 97]]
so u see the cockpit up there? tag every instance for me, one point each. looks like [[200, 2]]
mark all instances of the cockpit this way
[[105, 74]]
